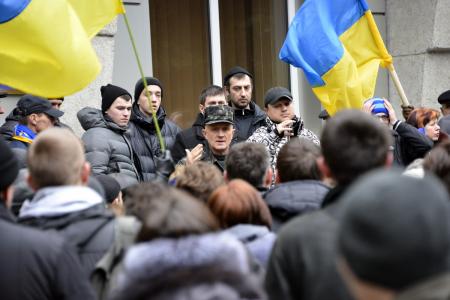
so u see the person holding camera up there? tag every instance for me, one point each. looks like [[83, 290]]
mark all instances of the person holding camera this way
[[282, 124], [409, 143]]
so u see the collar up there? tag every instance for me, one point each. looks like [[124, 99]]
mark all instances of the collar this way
[[24, 134]]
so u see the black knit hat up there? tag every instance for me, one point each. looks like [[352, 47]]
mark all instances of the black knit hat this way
[[110, 186], [9, 167], [395, 229], [444, 97], [139, 87], [109, 94], [233, 71]]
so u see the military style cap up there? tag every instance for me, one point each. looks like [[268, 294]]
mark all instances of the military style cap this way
[[219, 114]]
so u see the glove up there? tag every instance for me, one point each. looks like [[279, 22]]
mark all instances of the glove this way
[[406, 111], [164, 166]]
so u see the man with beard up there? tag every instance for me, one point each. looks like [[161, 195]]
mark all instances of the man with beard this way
[[248, 117]]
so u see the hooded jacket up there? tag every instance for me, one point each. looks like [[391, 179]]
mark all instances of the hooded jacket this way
[[289, 199], [107, 146], [38, 265], [257, 238], [78, 214], [200, 267], [145, 142]]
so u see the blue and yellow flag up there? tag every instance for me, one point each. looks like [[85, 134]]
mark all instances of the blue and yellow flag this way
[[45, 45], [339, 48]]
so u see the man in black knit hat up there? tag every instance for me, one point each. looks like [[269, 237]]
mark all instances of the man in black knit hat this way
[[248, 116], [144, 139], [394, 238]]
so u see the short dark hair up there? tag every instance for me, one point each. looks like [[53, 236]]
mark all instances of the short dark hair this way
[[210, 91], [437, 162], [168, 212], [248, 161], [353, 143], [297, 161]]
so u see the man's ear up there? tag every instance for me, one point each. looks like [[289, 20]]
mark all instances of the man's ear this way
[[201, 108], [203, 131], [225, 176], [389, 160], [268, 177], [323, 167], [85, 172], [7, 195]]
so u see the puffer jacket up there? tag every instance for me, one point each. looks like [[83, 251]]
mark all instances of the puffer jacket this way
[[267, 135], [145, 142], [76, 213], [107, 146], [293, 198], [247, 121]]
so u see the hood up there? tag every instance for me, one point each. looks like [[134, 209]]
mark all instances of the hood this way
[[92, 117], [296, 196], [145, 121], [247, 232], [58, 201], [151, 260]]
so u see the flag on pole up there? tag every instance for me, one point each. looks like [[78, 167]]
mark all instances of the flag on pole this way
[[339, 48], [45, 45]]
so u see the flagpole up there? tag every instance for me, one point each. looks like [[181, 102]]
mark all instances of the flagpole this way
[[162, 145], [398, 85]]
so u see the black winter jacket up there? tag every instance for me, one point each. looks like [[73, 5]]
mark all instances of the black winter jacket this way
[[246, 121], [289, 199], [107, 146], [38, 265], [409, 144], [303, 261], [144, 141], [188, 139], [90, 230]]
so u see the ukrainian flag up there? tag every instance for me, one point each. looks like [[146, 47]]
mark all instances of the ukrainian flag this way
[[45, 45], [339, 48]]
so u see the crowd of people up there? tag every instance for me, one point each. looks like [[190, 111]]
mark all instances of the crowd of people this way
[[245, 204]]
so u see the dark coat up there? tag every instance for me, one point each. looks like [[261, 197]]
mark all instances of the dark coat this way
[[107, 146], [303, 261], [38, 265], [145, 142], [188, 139], [289, 199], [409, 144], [91, 231], [246, 121]]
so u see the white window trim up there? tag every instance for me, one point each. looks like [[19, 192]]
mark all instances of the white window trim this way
[[214, 37]]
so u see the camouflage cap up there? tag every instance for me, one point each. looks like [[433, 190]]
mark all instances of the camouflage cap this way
[[218, 114]]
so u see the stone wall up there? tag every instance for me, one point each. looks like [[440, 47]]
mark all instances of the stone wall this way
[[418, 37]]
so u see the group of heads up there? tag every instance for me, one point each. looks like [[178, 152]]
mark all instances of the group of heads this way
[[424, 119]]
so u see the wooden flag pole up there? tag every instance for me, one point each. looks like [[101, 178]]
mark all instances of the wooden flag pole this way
[[398, 85]]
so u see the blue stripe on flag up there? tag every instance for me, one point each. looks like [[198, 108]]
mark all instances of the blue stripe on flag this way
[[9, 9], [312, 42]]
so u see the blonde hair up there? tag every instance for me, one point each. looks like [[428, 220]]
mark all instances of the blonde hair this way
[[56, 158]]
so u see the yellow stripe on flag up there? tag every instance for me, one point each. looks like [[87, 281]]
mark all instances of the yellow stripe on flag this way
[[45, 51], [95, 14], [352, 80]]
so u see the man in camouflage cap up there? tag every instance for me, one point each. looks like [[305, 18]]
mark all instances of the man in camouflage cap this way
[[218, 131]]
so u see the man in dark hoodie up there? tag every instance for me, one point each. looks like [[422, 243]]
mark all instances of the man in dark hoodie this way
[[238, 85], [144, 139], [193, 137], [303, 261], [298, 188], [59, 174]]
